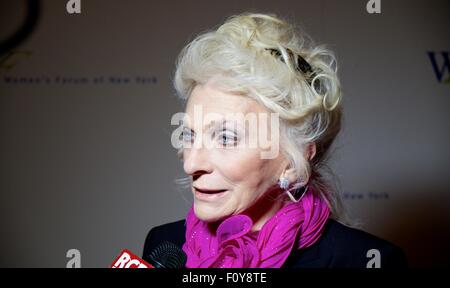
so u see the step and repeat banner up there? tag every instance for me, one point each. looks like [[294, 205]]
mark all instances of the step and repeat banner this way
[[86, 101]]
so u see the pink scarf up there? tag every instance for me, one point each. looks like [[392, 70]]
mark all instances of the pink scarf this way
[[233, 245]]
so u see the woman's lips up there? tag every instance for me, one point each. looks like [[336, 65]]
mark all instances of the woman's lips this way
[[208, 194], [210, 191]]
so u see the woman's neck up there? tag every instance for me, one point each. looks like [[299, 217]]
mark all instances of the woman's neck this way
[[265, 208]]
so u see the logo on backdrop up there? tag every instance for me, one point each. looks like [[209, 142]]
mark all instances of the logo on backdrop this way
[[440, 62], [11, 59]]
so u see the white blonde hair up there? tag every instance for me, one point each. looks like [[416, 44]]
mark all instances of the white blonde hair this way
[[236, 55]]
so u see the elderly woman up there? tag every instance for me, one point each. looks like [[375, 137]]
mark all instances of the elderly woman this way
[[257, 79]]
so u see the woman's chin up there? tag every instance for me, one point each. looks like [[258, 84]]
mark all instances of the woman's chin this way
[[208, 214]]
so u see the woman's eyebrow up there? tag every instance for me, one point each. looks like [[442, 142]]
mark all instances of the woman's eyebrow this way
[[214, 125], [223, 124]]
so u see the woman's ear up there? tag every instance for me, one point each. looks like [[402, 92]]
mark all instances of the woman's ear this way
[[309, 154], [290, 174], [310, 151]]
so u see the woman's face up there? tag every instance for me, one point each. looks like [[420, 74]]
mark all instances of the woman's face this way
[[228, 173]]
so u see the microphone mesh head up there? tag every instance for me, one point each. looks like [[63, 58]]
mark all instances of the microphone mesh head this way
[[167, 255]]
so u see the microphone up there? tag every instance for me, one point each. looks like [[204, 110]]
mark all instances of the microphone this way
[[165, 255]]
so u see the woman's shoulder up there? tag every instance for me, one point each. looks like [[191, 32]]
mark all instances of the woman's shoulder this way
[[340, 246], [344, 246]]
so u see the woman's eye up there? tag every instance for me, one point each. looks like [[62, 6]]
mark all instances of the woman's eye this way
[[187, 136], [228, 139]]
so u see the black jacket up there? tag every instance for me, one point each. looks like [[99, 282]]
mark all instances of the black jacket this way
[[339, 246]]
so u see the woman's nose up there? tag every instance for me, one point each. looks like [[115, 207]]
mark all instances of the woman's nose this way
[[197, 160]]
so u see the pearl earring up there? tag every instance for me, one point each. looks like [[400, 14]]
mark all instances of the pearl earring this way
[[284, 183]]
